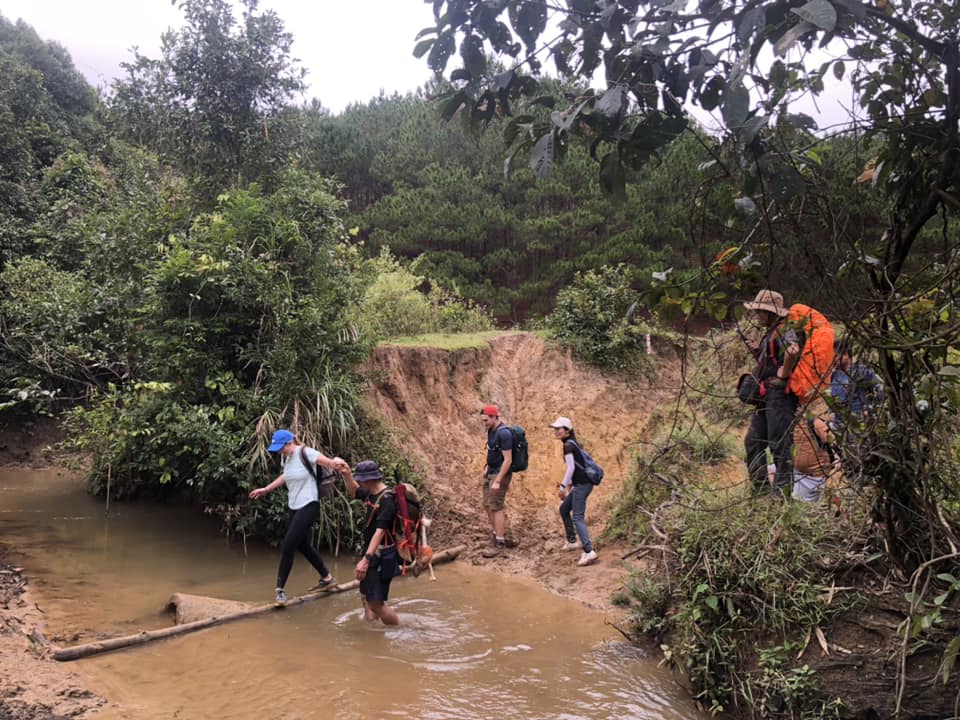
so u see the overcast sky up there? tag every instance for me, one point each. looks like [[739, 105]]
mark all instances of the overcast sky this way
[[352, 49]]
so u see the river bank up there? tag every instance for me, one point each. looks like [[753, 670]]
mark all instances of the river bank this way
[[33, 686]]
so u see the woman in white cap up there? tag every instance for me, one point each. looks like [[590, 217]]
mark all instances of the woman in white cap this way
[[304, 503], [574, 490]]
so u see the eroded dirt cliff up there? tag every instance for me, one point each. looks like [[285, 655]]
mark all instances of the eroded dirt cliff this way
[[432, 398]]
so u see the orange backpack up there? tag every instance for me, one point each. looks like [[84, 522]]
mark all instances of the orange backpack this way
[[816, 359]]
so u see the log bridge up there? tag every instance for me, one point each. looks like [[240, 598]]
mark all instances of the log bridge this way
[[145, 636]]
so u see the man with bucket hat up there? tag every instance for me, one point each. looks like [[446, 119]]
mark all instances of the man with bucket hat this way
[[380, 561], [771, 425]]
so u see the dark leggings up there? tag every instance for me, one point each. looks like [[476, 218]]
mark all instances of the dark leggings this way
[[298, 538]]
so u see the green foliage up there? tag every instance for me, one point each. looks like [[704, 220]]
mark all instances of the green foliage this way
[[742, 575], [46, 108], [682, 452], [394, 306], [594, 317], [49, 328], [215, 102], [435, 193]]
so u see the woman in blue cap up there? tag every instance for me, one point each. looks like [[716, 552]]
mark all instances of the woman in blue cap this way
[[304, 503]]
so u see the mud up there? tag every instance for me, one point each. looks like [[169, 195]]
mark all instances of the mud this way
[[32, 686]]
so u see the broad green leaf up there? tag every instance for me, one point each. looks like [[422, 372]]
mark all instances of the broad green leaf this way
[[818, 12], [613, 179], [613, 101], [735, 105], [421, 48], [752, 127], [787, 40], [751, 20], [541, 157]]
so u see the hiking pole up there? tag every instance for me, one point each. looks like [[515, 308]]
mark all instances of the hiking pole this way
[[743, 336]]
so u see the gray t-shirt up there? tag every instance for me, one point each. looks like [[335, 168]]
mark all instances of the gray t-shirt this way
[[301, 487]]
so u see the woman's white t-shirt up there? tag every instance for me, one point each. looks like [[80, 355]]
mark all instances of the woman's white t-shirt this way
[[301, 487]]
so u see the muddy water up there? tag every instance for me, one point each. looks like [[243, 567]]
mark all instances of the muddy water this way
[[471, 644]]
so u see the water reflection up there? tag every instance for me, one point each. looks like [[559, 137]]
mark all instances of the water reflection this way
[[470, 645]]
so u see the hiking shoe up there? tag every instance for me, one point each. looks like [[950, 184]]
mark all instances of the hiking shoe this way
[[587, 558], [571, 545], [281, 598], [496, 550], [327, 582]]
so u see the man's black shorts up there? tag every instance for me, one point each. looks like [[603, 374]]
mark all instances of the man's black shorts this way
[[376, 584]]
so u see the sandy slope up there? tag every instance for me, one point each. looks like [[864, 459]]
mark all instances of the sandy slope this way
[[432, 398]]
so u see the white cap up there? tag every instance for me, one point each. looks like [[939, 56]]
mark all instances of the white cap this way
[[562, 422]]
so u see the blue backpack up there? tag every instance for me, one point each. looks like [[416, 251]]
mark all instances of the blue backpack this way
[[590, 467]]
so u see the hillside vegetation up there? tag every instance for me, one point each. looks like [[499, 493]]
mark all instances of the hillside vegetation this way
[[190, 259]]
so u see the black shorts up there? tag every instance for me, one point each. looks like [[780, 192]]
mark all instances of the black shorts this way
[[376, 584]]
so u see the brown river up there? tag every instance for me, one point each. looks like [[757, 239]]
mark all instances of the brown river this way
[[471, 645]]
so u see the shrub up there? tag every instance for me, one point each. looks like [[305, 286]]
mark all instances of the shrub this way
[[593, 317], [393, 304]]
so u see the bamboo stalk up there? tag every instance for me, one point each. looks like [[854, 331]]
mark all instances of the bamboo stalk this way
[[145, 636]]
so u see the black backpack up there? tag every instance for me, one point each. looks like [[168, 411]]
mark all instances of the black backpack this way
[[325, 477], [521, 452]]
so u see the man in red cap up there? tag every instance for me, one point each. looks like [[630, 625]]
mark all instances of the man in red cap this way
[[496, 476]]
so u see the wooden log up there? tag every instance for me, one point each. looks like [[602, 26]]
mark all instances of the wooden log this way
[[101, 646]]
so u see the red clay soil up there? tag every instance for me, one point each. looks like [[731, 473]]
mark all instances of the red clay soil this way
[[432, 399]]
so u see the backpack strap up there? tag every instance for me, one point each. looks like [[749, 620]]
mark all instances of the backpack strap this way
[[583, 462], [311, 468], [375, 505]]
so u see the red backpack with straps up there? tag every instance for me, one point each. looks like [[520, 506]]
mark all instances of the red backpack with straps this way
[[405, 533]]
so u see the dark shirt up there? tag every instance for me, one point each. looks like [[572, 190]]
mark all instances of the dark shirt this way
[[377, 516], [770, 359], [570, 447], [498, 440]]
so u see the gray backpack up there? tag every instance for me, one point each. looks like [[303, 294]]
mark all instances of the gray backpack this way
[[325, 477]]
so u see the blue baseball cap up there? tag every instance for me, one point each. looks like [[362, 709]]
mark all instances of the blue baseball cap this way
[[280, 438]]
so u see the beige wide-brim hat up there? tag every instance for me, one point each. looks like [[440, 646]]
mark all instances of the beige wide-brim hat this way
[[768, 300]]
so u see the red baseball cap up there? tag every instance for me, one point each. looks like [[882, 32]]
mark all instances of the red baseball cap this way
[[491, 410]]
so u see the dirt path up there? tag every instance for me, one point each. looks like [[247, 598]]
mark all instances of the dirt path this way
[[432, 398]]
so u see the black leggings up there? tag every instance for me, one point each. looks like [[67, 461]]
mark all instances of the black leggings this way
[[298, 538]]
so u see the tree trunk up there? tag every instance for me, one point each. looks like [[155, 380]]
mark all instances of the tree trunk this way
[[145, 636]]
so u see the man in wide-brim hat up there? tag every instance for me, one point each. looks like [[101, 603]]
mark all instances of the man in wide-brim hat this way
[[769, 301], [772, 421]]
